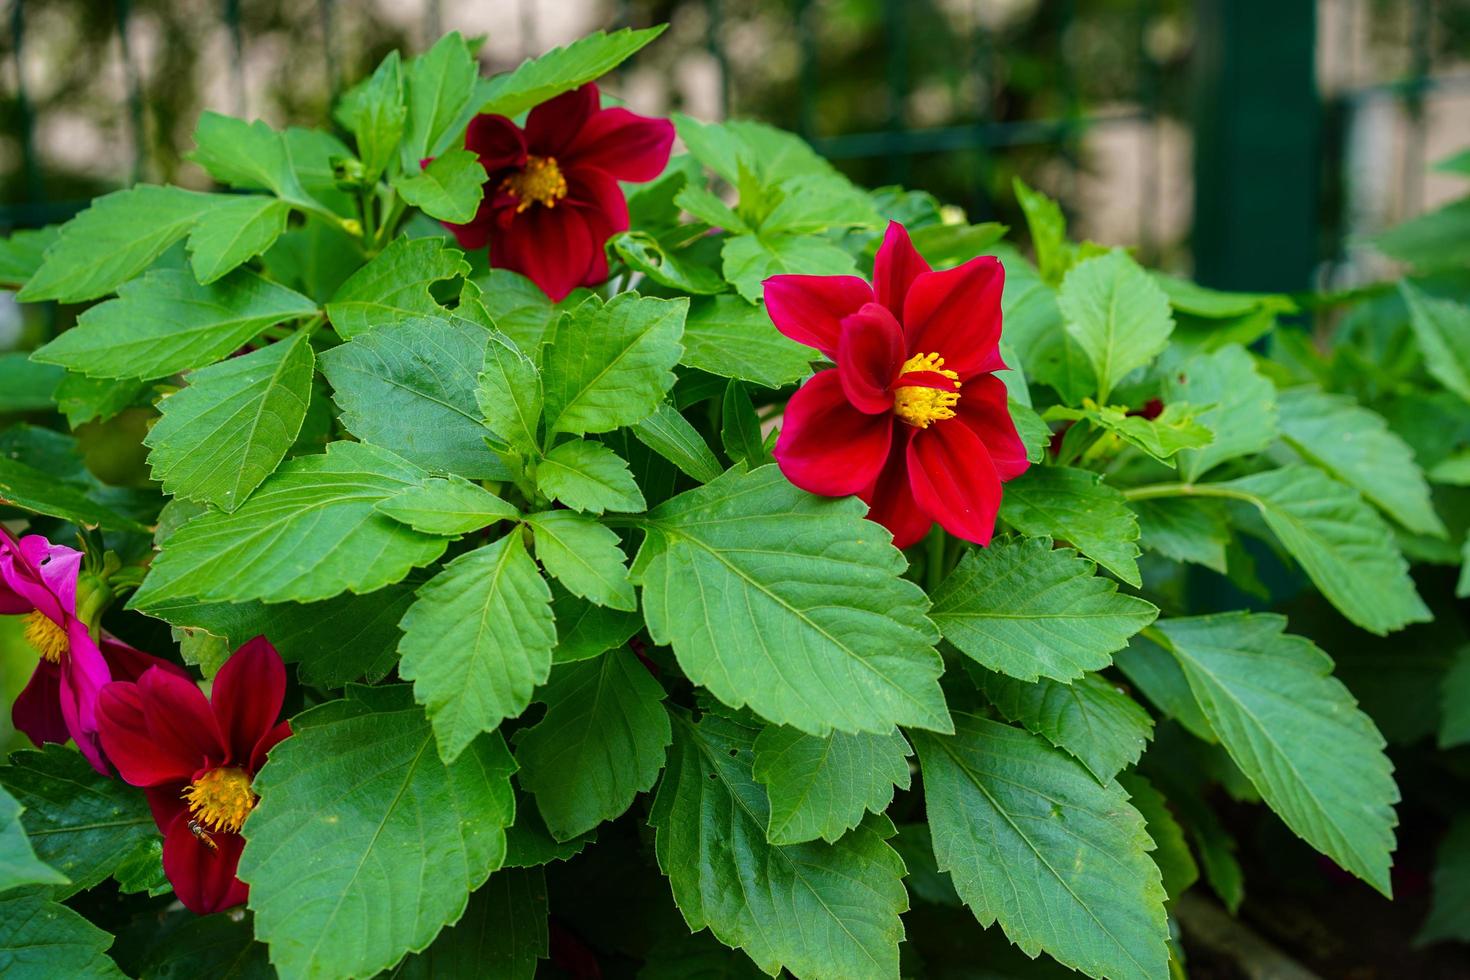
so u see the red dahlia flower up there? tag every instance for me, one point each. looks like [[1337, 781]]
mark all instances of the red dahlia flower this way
[[38, 580], [912, 418], [552, 199], [196, 758]]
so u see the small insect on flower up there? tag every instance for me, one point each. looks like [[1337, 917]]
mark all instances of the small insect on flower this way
[[203, 835]]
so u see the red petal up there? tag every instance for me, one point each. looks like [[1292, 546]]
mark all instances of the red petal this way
[[180, 719], [956, 314], [123, 728], [984, 407], [890, 501], [475, 234], [810, 309], [166, 802], [622, 144], [895, 267], [552, 127], [247, 696], [826, 446], [552, 247], [267, 742], [954, 481], [203, 879], [869, 355], [128, 664], [600, 201], [37, 710], [498, 143]]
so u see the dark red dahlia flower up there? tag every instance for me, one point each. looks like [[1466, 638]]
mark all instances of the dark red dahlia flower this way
[[196, 758], [38, 580], [912, 418], [552, 198]]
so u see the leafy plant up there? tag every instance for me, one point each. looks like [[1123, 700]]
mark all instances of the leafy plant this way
[[532, 542]]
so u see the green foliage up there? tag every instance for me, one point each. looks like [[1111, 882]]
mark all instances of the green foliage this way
[[818, 909], [451, 506], [584, 556], [1449, 916], [40, 939], [1026, 610], [449, 188], [397, 839], [166, 322], [18, 862], [730, 337], [1237, 405], [1295, 732], [31, 489], [233, 232], [1074, 505], [1034, 842], [562, 69], [589, 476], [477, 641], [503, 933], [849, 650], [394, 285], [824, 787], [1443, 329], [600, 743], [1117, 315]]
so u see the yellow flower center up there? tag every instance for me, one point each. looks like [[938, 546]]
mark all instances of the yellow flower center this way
[[540, 183], [221, 799], [46, 636], [920, 406]]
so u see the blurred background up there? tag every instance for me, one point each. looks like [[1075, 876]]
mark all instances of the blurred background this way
[[1250, 143]]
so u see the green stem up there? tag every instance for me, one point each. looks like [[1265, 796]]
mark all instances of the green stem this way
[[1156, 490], [934, 562], [394, 212]]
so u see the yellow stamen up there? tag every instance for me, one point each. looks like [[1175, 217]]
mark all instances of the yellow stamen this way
[[920, 406], [221, 799], [46, 636], [540, 183]]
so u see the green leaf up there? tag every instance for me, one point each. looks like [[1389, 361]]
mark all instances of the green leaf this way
[[450, 506], [813, 203], [508, 392], [376, 114], [761, 150], [22, 252], [34, 490], [588, 476], [477, 641], [609, 364], [669, 434], [792, 604], [1295, 732], [1435, 240], [248, 156], [1025, 609], [1075, 506], [1241, 406], [1033, 841], [1454, 704], [530, 844], [502, 934], [410, 387], [1117, 314], [749, 260], [18, 862], [824, 787], [1048, 230], [818, 909], [115, 238], [727, 336], [1340, 541], [1171, 853], [644, 253], [1034, 330], [233, 232], [1088, 718], [1152, 670], [1183, 529], [82, 399], [309, 532], [440, 94], [1356, 446], [231, 426], [41, 940], [27, 385], [395, 840], [584, 556], [166, 322], [1175, 428], [585, 629], [80, 822], [561, 70], [220, 946], [710, 209], [394, 285], [740, 428], [1442, 328], [1449, 913], [450, 188], [600, 743]]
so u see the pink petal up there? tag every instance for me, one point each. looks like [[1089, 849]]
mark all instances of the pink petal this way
[[83, 675], [954, 481], [247, 696], [895, 267], [826, 446], [810, 309], [43, 574], [956, 314], [869, 355]]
